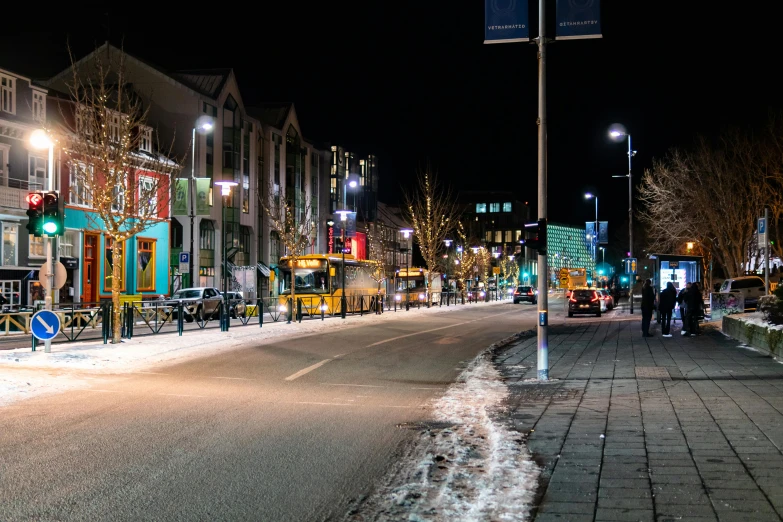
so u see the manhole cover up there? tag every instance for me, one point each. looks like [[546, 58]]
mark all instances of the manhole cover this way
[[653, 372], [543, 392]]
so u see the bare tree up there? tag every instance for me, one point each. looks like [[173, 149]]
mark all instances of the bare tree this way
[[293, 222], [710, 195], [117, 166], [377, 247], [433, 212]]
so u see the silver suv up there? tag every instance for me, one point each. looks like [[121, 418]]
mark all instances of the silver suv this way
[[752, 287], [200, 303]]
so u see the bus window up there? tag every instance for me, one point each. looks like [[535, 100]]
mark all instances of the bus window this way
[[308, 280]]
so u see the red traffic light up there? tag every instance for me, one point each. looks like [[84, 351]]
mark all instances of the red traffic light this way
[[34, 199]]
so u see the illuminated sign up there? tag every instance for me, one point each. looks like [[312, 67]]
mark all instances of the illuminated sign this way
[[331, 239], [310, 263]]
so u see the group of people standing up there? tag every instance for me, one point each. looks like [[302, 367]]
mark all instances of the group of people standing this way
[[691, 307]]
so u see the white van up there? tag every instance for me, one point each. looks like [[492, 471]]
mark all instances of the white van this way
[[752, 287]]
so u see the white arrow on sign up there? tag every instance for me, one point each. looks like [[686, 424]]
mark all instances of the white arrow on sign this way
[[49, 329]]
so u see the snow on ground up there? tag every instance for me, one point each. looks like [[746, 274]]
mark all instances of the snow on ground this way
[[757, 318], [473, 469], [73, 365]]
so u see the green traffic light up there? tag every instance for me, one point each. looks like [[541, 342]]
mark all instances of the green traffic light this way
[[50, 227]]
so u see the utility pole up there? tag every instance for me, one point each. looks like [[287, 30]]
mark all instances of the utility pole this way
[[630, 222], [543, 301], [766, 252]]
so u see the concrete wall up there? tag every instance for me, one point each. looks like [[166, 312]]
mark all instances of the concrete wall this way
[[765, 339]]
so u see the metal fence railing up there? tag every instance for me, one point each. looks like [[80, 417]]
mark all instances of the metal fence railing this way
[[80, 321]]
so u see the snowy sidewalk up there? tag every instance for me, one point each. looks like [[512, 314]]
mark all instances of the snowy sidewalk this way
[[633, 428], [70, 364]]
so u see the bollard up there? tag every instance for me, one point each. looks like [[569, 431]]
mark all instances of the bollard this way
[[130, 321], [180, 318], [260, 312], [34, 341], [322, 306], [289, 310], [299, 309]]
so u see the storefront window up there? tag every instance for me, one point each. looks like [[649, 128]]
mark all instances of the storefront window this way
[[145, 265], [108, 264]]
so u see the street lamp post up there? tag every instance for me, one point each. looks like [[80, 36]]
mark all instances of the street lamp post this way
[[406, 232], [204, 126], [40, 140], [595, 229], [617, 132], [225, 191], [352, 183]]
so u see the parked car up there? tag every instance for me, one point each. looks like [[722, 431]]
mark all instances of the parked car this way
[[526, 293], [584, 301], [200, 303], [752, 287], [236, 303], [608, 299]]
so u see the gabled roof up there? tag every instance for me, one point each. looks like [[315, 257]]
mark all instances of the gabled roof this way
[[273, 114], [208, 82]]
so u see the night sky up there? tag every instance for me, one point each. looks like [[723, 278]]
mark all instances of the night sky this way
[[413, 82]]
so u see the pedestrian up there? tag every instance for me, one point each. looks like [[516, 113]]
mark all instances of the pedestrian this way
[[693, 309], [666, 302], [648, 305], [683, 306]]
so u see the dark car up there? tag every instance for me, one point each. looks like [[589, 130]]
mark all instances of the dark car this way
[[236, 302], [584, 301], [525, 293]]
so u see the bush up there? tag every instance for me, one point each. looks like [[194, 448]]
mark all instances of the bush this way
[[772, 308]]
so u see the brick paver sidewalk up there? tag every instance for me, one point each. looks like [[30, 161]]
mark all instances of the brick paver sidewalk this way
[[633, 428]]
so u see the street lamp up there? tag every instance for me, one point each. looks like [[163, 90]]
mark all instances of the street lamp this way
[[225, 191], [595, 230], [40, 140], [203, 125], [617, 133], [603, 255], [406, 233], [343, 223]]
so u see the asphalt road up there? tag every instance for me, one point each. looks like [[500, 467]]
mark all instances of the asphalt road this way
[[288, 430]]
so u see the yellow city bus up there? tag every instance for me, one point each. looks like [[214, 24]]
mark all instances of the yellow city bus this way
[[319, 280]]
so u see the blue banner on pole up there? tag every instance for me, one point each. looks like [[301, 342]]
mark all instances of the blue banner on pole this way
[[506, 21], [603, 232], [590, 232], [578, 19]]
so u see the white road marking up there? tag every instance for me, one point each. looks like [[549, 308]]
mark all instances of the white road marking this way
[[339, 355], [233, 378], [178, 395], [353, 385], [432, 330], [324, 403], [307, 370]]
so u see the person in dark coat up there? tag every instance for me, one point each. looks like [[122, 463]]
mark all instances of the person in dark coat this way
[[693, 309], [648, 305], [666, 302], [681, 302]]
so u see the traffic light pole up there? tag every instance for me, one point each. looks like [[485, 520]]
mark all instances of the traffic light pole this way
[[543, 295], [48, 247]]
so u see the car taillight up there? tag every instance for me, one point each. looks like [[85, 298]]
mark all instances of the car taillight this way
[[573, 299], [529, 292], [516, 292]]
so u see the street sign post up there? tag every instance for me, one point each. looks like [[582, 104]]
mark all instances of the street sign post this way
[[762, 232], [45, 325], [58, 277], [184, 262]]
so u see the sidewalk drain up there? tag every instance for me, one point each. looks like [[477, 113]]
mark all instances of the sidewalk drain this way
[[653, 372]]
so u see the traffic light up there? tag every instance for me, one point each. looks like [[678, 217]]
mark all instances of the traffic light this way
[[53, 214], [35, 203], [538, 241]]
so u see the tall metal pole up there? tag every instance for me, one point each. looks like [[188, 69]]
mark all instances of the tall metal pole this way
[[766, 253], [630, 220], [342, 277], [191, 190], [543, 301], [595, 236]]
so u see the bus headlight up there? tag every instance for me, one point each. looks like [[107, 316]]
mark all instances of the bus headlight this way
[[283, 308], [421, 297], [482, 294], [324, 308], [398, 297]]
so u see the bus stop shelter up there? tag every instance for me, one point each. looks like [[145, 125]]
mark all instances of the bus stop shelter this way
[[679, 269]]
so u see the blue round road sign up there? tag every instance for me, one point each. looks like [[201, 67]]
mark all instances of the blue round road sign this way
[[45, 325]]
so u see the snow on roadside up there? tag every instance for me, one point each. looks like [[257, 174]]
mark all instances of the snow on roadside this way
[[475, 469]]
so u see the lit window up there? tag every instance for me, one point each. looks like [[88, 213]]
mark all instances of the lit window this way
[[39, 106], [206, 235], [508, 236], [507, 206], [145, 265], [36, 246], [498, 236], [488, 236], [148, 196], [145, 141], [481, 208], [80, 179], [37, 173], [494, 207], [108, 271], [7, 91], [67, 241], [10, 233]]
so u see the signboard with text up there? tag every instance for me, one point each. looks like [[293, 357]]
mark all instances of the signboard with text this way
[[762, 232], [506, 21], [578, 19]]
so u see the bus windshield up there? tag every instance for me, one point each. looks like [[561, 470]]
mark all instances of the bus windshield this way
[[403, 283], [312, 277]]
